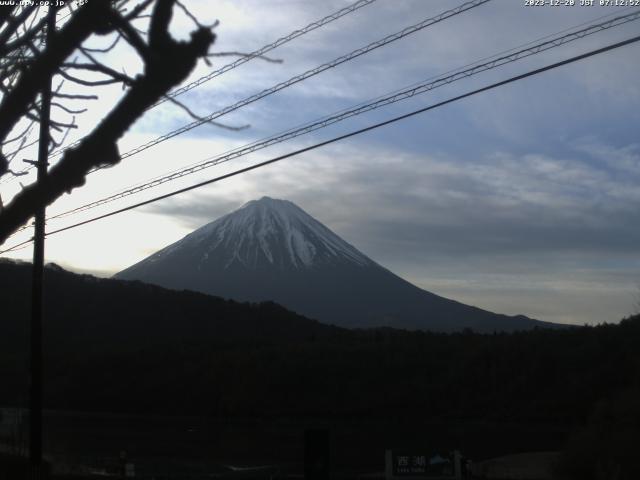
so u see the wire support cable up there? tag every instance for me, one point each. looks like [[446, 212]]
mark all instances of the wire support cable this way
[[357, 132], [244, 59], [474, 63], [389, 99], [342, 137], [18, 246], [267, 48], [304, 76], [310, 73]]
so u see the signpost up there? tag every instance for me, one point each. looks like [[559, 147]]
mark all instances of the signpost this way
[[404, 465]]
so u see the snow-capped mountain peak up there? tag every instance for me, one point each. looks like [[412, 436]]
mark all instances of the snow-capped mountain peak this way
[[267, 232], [271, 250]]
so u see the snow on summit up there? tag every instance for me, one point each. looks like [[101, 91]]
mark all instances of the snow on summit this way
[[268, 231], [271, 250]]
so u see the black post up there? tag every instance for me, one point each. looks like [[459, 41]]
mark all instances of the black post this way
[[35, 393], [317, 461]]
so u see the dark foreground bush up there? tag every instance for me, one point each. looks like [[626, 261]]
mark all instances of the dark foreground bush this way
[[607, 448], [18, 468]]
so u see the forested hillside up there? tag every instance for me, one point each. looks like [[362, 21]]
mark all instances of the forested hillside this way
[[125, 346]]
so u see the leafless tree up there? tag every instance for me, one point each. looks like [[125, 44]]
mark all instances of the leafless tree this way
[[27, 61]]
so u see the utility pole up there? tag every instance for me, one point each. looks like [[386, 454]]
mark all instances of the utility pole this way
[[35, 366]]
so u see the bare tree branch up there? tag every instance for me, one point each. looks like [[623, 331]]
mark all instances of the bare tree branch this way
[[67, 109], [247, 55], [98, 67], [75, 96], [87, 83], [167, 63], [20, 135], [135, 13], [189, 14], [105, 49], [13, 24], [14, 106], [26, 39], [159, 26], [130, 34], [195, 116]]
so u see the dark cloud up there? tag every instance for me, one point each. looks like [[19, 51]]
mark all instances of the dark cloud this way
[[194, 211], [556, 223], [526, 195]]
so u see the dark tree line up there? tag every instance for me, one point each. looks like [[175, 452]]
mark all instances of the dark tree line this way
[[134, 347]]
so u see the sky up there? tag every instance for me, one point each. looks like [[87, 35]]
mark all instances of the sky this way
[[520, 200]]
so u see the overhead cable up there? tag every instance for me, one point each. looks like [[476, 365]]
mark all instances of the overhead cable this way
[[310, 73], [356, 132], [394, 97], [243, 59], [271, 46]]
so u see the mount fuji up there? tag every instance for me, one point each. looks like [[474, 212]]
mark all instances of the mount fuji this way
[[272, 250]]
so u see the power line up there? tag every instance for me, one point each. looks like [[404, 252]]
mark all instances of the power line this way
[[345, 136], [9, 178], [19, 246], [397, 96], [304, 76], [309, 73], [468, 65], [242, 60], [271, 46], [357, 132]]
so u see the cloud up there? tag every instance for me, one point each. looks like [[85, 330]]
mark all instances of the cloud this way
[[523, 199], [506, 202], [195, 210], [625, 160], [532, 222]]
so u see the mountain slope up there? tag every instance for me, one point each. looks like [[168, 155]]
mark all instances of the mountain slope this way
[[87, 311], [273, 250]]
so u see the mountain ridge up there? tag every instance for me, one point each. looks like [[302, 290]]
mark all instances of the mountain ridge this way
[[82, 308], [273, 250], [263, 220]]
